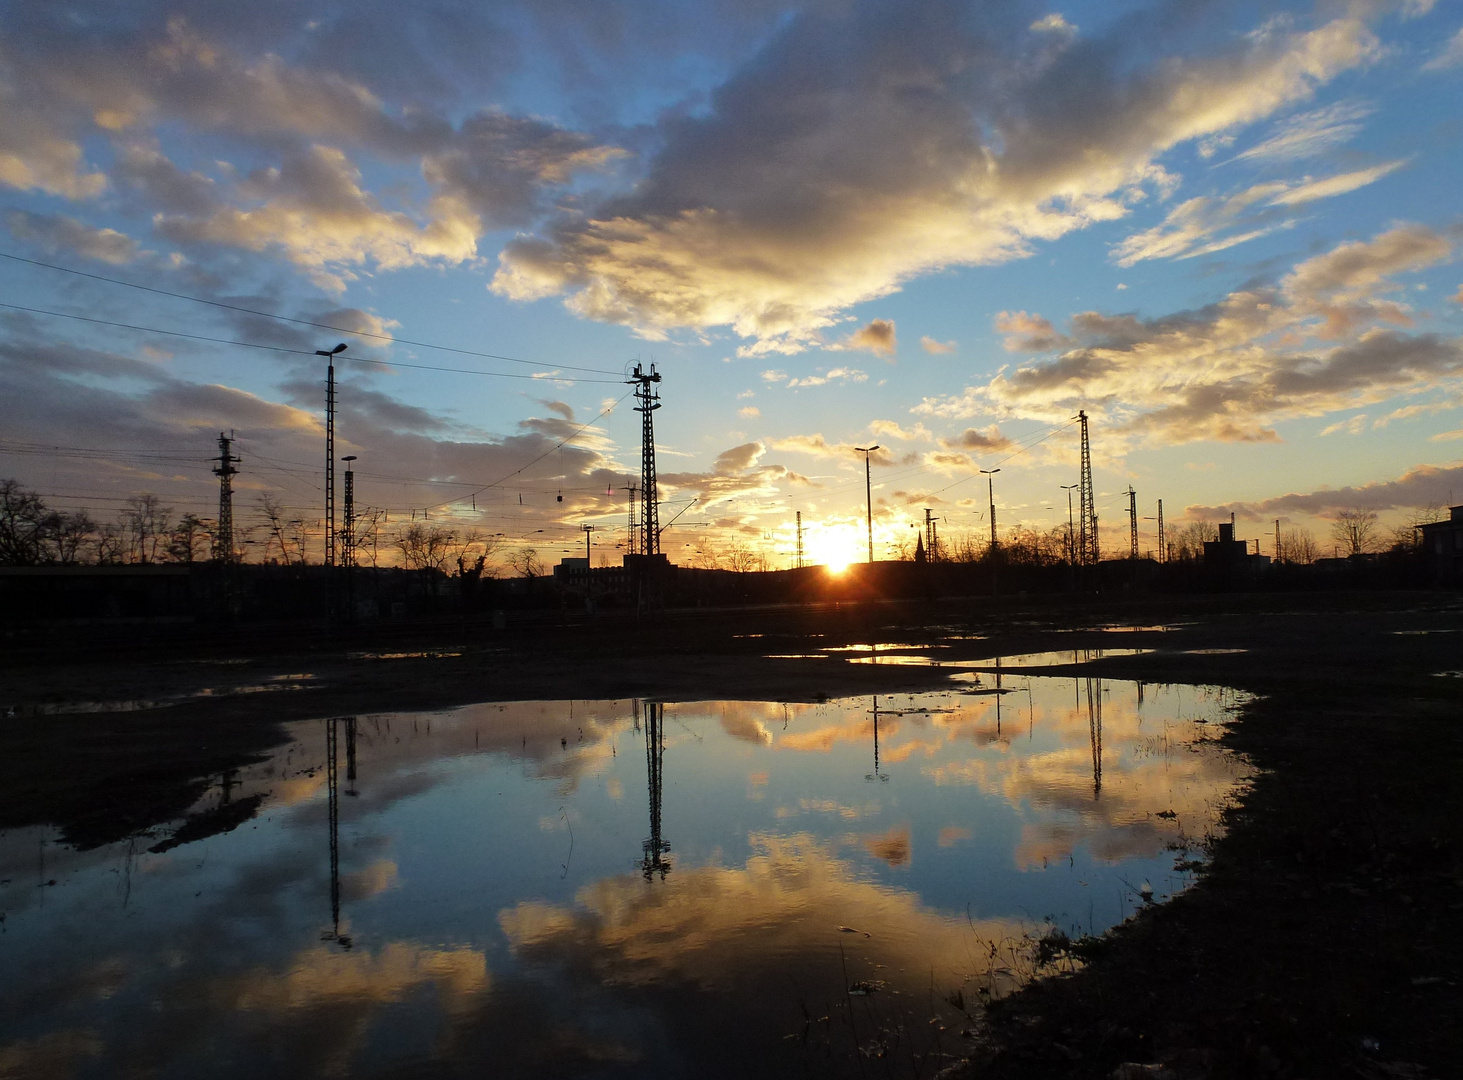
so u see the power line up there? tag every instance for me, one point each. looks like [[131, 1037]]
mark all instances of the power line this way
[[299, 322], [546, 376]]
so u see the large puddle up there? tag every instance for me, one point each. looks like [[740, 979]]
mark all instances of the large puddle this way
[[599, 888]]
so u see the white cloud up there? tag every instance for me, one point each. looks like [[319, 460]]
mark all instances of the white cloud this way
[[1256, 356], [1310, 133], [1193, 227], [792, 199], [1450, 55], [936, 348]]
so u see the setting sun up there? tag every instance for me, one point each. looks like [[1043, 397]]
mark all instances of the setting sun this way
[[835, 547]]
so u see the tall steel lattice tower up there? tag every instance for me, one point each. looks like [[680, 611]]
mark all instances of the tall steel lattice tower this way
[[1132, 523], [223, 541], [1162, 536], [1089, 551], [649, 401], [800, 538], [634, 525]]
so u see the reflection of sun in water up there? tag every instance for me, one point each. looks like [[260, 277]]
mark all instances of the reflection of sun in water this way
[[835, 546]]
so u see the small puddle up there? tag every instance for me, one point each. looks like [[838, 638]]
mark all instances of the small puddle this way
[[615, 888], [1052, 658]]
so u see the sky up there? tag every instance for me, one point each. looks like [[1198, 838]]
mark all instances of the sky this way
[[1226, 231]]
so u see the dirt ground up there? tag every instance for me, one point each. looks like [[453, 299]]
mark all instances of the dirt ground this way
[[1320, 942]]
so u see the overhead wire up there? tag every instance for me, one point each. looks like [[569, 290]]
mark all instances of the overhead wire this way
[[387, 338], [544, 376]]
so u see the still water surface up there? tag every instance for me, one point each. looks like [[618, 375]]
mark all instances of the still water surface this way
[[601, 888]]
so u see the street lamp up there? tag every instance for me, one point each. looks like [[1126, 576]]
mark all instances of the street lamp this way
[[1071, 544], [990, 474], [869, 493]]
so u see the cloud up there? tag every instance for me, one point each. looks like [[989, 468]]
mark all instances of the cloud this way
[[888, 429], [837, 374], [739, 458], [59, 234], [1310, 133], [1450, 55], [750, 412], [936, 348], [1027, 333], [791, 197], [1190, 229], [1258, 355], [1422, 485], [877, 337], [974, 439]]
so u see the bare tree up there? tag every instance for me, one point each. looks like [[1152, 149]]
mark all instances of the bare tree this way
[[1354, 530], [111, 545], [191, 538], [704, 555], [1298, 546], [25, 525], [276, 530], [740, 557], [1407, 534], [525, 562], [72, 535], [424, 546], [1186, 541], [146, 527]]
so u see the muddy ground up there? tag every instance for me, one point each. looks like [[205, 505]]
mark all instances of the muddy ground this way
[[1322, 941]]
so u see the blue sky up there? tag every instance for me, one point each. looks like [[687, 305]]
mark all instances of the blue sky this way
[[1224, 230]]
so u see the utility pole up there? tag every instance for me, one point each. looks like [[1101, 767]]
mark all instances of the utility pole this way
[[1091, 549], [990, 475], [348, 536], [632, 490], [1162, 536], [929, 534], [223, 541], [1071, 534], [869, 492], [1132, 522], [800, 539], [649, 401]]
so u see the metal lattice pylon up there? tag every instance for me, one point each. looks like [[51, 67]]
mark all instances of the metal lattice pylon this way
[[1089, 552], [223, 541], [649, 400]]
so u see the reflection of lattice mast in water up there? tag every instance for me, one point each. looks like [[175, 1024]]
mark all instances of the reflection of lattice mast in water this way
[[876, 774], [655, 847], [649, 401], [350, 754], [1094, 732], [332, 788], [1090, 551]]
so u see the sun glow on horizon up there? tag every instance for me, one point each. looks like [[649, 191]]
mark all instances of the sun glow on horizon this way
[[835, 547]]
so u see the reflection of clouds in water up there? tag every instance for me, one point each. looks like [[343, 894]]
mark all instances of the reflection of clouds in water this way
[[951, 835], [57, 1053], [322, 976], [892, 846], [717, 926], [1149, 765], [369, 882], [828, 806]]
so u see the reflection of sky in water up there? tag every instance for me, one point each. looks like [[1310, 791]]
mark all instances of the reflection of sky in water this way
[[492, 888]]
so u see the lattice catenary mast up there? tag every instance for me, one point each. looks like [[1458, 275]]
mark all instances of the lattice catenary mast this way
[[1090, 551], [649, 401], [223, 541], [1132, 523]]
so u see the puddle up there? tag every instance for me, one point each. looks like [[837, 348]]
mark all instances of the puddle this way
[[1053, 658], [905, 659], [432, 654], [887, 646], [613, 888], [1212, 652]]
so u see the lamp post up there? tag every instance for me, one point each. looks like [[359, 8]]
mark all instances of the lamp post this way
[[990, 475], [1071, 552], [869, 492]]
